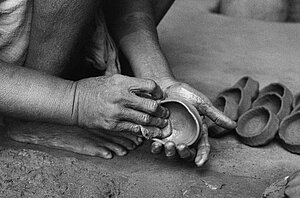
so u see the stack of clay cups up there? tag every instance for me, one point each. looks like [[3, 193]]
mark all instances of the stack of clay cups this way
[[289, 130], [259, 125], [233, 102]]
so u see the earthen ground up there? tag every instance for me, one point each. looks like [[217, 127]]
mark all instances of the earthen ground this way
[[210, 52]]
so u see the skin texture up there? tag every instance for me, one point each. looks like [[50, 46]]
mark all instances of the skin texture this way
[[56, 52], [148, 61]]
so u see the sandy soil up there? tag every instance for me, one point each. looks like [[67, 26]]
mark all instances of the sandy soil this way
[[211, 52]]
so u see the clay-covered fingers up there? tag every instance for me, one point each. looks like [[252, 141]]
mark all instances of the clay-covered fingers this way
[[149, 106], [146, 87], [203, 148], [185, 152], [216, 115], [143, 118], [170, 150], [156, 147]]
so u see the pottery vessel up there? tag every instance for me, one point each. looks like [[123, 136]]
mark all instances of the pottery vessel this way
[[257, 126], [280, 89], [275, 103], [249, 86], [296, 109], [296, 101], [289, 132], [185, 122], [266, 10], [237, 94], [229, 107]]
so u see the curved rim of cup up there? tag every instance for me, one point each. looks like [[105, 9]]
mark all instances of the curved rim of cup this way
[[196, 118]]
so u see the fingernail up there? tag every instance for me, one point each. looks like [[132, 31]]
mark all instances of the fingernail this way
[[164, 123], [108, 155], [167, 113]]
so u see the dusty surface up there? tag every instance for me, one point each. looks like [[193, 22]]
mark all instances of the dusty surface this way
[[211, 52]]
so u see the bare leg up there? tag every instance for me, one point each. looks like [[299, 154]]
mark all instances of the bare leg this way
[[58, 30]]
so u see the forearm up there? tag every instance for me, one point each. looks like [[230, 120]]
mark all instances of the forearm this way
[[30, 95], [134, 28]]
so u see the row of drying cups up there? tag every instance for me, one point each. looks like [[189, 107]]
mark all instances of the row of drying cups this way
[[261, 114]]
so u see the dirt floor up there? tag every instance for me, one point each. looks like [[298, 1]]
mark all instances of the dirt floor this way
[[211, 52]]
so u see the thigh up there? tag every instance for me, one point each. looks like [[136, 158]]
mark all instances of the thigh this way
[[59, 29]]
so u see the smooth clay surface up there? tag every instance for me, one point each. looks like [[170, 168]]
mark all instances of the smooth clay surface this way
[[255, 123], [211, 52], [185, 126]]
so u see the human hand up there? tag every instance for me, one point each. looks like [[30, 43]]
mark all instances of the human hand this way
[[113, 103], [199, 154], [176, 89]]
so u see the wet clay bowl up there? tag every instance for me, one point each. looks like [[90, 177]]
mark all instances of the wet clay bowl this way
[[257, 126], [229, 107], [296, 109], [237, 94], [280, 89], [296, 101], [275, 103], [289, 133], [185, 121], [249, 86]]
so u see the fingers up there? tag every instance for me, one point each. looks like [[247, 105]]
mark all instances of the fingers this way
[[170, 150], [148, 106], [143, 118], [151, 132], [216, 116], [146, 86], [156, 147], [203, 149], [185, 153], [203, 105]]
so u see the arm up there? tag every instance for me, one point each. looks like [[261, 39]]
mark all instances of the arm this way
[[134, 29], [30, 95]]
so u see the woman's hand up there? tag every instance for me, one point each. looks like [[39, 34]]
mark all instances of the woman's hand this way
[[113, 103], [173, 88]]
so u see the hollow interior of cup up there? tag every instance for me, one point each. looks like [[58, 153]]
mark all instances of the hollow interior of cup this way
[[297, 100], [290, 129], [271, 102], [220, 103], [277, 88], [184, 126], [234, 93], [253, 123]]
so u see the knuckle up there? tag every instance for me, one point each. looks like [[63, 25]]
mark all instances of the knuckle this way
[[134, 128], [152, 106], [146, 119]]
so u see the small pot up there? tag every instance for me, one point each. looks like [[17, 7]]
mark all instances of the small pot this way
[[257, 126], [250, 87], [289, 132], [296, 109], [185, 121], [280, 89], [275, 103], [296, 101]]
